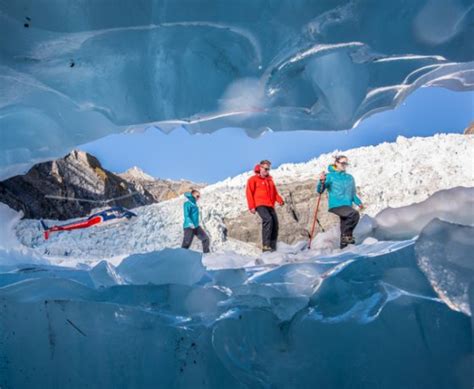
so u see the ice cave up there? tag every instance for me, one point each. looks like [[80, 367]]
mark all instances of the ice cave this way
[[395, 311]]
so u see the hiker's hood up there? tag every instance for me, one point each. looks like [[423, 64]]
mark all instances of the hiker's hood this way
[[190, 197], [256, 170]]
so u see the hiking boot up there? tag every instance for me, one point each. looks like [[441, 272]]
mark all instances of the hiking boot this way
[[346, 240], [266, 249]]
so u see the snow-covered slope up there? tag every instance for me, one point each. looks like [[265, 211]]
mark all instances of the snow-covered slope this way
[[387, 175]]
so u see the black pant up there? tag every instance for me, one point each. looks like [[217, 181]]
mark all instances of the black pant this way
[[349, 219], [269, 226], [189, 234]]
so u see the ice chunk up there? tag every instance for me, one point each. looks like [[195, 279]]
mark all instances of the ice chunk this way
[[13, 274], [445, 254], [173, 299], [454, 205], [41, 289], [56, 343], [295, 279], [326, 242], [245, 341], [361, 288], [227, 259], [105, 274], [160, 267], [228, 277]]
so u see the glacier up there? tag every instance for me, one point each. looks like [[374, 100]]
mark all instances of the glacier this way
[[393, 311], [365, 317], [71, 74], [120, 307]]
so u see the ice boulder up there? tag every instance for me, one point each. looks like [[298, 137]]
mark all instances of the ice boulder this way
[[169, 266], [14, 274], [292, 279], [42, 289], [455, 205], [445, 254], [105, 274]]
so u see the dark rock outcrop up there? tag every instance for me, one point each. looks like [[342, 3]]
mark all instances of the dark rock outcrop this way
[[295, 217]]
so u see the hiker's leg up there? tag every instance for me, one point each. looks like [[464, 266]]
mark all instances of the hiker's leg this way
[[349, 219], [351, 222], [187, 238], [340, 213], [204, 238], [274, 236], [267, 225]]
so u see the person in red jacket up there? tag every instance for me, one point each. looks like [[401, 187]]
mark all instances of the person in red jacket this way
[[262, 195]]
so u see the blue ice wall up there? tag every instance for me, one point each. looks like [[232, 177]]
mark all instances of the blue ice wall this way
[[71, 72]]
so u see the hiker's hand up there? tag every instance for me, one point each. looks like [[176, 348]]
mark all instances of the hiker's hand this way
[[282, 203], [252, 211], [322, 177], [361, 207]]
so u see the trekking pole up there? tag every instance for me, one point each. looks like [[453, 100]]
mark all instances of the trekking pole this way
[[311, 236]]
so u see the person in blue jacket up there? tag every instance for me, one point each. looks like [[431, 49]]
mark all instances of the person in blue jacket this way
[[191, 222], [342, 195]]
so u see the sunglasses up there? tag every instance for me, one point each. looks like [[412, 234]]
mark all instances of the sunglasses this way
[[344, 163], [266, 169]]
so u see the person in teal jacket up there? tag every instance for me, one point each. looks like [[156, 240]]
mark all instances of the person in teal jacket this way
[[191, 223], [342, 195]]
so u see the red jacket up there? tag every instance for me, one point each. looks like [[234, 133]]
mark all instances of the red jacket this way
[[262, 191]]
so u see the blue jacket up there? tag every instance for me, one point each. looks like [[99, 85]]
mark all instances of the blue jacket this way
[[341, 188], [191, 212]]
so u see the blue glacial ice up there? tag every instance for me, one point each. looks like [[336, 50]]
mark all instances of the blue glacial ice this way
[[387, 314], [366, 317], [71, 74], [162, 268], [393, 313], [442, 252]]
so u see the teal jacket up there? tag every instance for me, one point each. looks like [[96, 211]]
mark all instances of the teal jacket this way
[[191, 212], [341, 188]]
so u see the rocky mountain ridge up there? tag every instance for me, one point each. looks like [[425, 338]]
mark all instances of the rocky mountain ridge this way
[[52, 189], [160, 189]]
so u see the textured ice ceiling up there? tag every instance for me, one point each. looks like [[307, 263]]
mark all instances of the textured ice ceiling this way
[[73, 71]]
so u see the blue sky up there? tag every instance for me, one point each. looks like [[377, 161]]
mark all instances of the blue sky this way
[[225, 153]]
